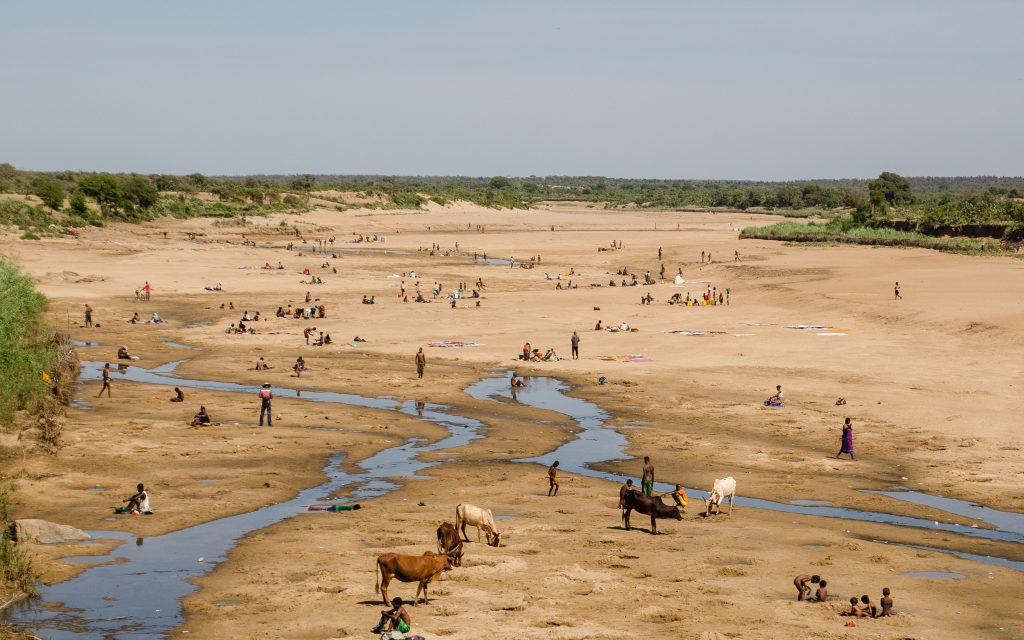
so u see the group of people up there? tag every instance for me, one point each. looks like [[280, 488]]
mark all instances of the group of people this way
[[305, 313], [862, 608], [530, 354], [135, 319]]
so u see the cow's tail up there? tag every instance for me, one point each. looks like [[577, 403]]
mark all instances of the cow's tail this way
[[457, 522], [376, 572]]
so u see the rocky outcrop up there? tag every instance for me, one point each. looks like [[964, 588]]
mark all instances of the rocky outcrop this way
[[43, 532]]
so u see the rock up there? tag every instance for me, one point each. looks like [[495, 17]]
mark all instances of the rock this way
[[43, 532]]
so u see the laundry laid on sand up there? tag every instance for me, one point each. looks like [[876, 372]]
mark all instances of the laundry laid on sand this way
[[809, 327], [633, 358], [697, 332], [448, 344]]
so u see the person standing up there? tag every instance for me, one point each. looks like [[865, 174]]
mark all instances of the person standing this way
[[106, 381], [659, 254], [148, 289], [846, 442], [896, 290], [575, 346], [421, 362], [88, 316], [647, 480], [553, 479], [265, 397]]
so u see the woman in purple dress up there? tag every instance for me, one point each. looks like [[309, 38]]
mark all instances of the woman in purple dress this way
[[847, 440]]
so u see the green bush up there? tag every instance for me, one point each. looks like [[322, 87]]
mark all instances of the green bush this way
[[26, 351]]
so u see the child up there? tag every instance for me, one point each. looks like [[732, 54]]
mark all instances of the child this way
[[553, 479], [803, 590], [821, 595], [855, 610], [679, 496], [870, 608], [397, 619], [886, 603]]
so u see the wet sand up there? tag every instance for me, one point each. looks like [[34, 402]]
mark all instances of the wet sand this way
[[930, 382]]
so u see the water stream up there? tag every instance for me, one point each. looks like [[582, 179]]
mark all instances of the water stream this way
[[145, 581], [598, 443]]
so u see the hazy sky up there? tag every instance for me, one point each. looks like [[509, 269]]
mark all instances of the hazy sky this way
[[765, 89]]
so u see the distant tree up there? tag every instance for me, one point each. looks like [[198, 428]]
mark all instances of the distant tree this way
[[166, 183], [78, 204], [890, 189], [140, 192], [500, 182], [104, 189], [7, 171], [199, 181], [304, 183], [50, 192], [788, 197]]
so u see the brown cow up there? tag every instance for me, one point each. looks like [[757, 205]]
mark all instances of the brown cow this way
[[449, 542], [422, 569]]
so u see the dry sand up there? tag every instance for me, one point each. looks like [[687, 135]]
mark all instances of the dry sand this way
[[932, 384]]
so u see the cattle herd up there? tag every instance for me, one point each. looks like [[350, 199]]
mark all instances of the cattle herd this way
[[425, 568]]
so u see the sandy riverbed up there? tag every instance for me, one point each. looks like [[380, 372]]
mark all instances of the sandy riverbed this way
[[931, 382]]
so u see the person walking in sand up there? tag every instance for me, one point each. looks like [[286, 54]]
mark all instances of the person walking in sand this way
[[421, 362], [647, 480], [896, 290], [553, 479], [265, 396], [106, 381], [575, 341], [846, 442], [88, 316]]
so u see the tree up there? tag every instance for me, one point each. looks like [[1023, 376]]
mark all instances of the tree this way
[[78, 204], [7, 171], [104, 189], [50, 192], [500, 182], [140, 192], [890, 189]]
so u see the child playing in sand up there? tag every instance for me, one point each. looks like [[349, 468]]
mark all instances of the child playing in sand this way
[[821, 595], [803, 589], [870, 608], [855, 610], [886, 603]]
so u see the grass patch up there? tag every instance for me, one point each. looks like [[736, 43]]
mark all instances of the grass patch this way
[[16, 566], [843, 230], [27, 353]]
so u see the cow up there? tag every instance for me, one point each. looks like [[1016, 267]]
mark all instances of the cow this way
[[449, 542], [654, 507], [479, 518], [724, 488], [422, 569]]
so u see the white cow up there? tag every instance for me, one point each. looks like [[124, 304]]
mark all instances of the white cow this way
[[724, 488], [479, 518]]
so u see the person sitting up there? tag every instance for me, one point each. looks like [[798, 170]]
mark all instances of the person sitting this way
[[358, 339], [550, 355], [516, 382], [321, 311], [327, 339], [775, 400], [202, 418], [280, 266], [299, 367], [855, 610], [266, 265], [261, 364], [597, 327], [241, 327], [420, 298], [156, 319], [256, 318], [366, 299], [122, 353], [535, 355], [135, 319], [139, 503], [396, 620], [231, 329], [179, 395]]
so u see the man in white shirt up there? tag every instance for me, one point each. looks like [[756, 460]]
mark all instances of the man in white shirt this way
[[139, 503]]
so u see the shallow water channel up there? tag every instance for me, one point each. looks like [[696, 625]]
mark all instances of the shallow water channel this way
[[135, 591]]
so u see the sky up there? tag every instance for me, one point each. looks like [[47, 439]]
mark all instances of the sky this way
[[733, 89]]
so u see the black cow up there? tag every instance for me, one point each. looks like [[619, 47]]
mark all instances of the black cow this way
[[654, 507]]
